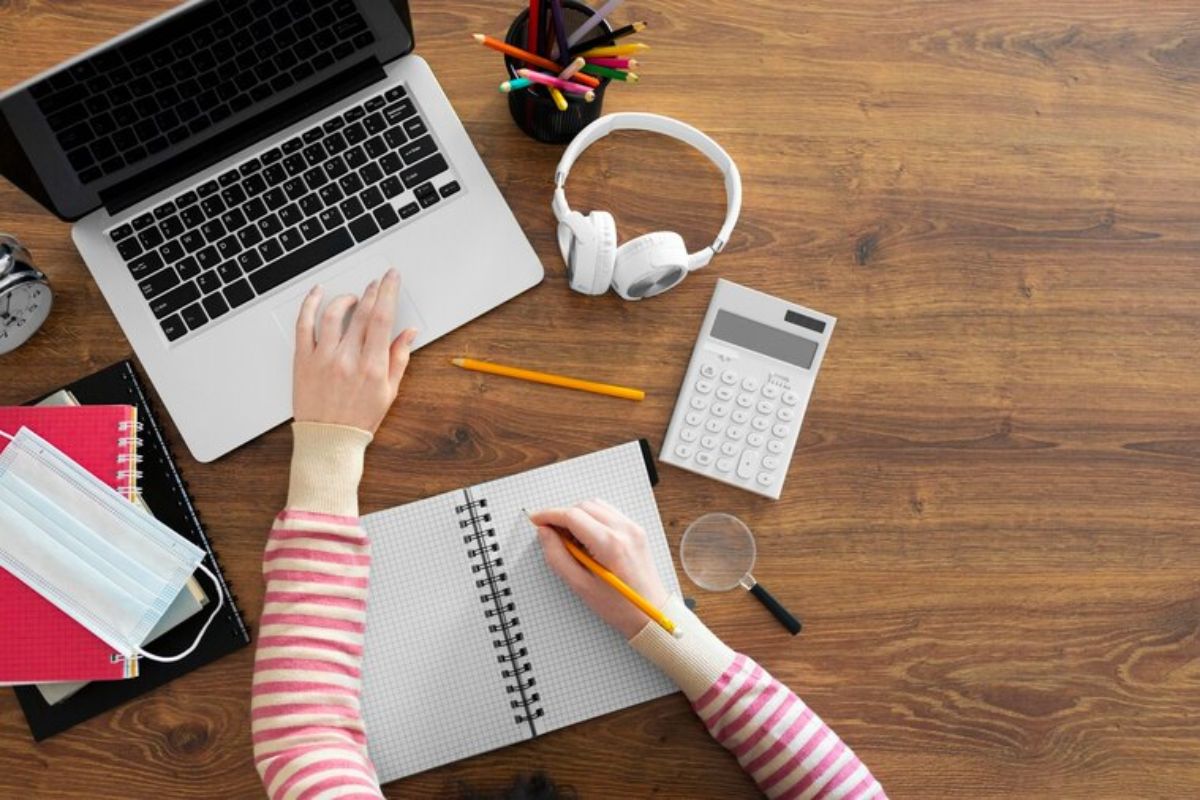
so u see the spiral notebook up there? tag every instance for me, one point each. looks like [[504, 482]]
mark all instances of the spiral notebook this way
[[472, 642], [164, 492]]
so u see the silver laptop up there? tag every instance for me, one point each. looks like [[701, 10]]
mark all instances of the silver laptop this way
[[224, 158]]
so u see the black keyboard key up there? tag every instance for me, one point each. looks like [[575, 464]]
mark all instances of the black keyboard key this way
[[351, 184], [270, 226], [250, 167], [450, 188], [255, 185], [314, 154], [336, 168], [386, 216], [255, 209], [315, 178], [192, 241], [331, 218], [150, 238], [233, 196], [371, 197], [290, 215], [311, 205], [232, 220], [192, 217], [335, 144], [143, 221], [208, 282], [398, 112], [275, 174], [375, 146], [391, 163], [271, 156], [229, 247], [129, 248], [331, 194], [275, 199], [250, 236], [208, 257], [207, 188], [395, 93], [423, 171], [172, 227], [121, 232], [395, 138], [313, 135], [295, 164], [194, 316], [356, 157], [375, 124], [292, 145], [188, 268], [391, 187], [270, 249], [419, 149], [228, 178], [333, 124], [213, 230], [291, 239], [171, 252], [351, 207], [414, 127], [311, 229], [164, 211], [363, 228], [250, 260], [301, 260], [215, 305], [371, 174], [213, 206], [174, 300], [238, 293], [145, 265], [426, 199], [409, 210], [229, 272], [358, 112], [295, 189], [173, 327], [355, 133]]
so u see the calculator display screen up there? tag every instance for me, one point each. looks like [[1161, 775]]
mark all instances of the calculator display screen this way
[[795, 350]]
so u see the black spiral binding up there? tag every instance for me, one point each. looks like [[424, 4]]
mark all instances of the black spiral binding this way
[[488, 566]]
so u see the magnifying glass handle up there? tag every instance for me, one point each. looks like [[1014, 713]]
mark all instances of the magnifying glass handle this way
[[776, 608]]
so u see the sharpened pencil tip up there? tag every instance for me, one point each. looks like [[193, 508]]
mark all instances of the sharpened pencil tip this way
[[479, 37]]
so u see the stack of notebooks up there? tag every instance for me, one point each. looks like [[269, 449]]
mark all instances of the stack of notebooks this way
[[64, 674]]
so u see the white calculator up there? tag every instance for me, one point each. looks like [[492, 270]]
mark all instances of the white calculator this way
[[743, 399]]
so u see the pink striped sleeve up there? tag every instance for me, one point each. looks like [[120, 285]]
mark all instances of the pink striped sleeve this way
[[305, 721]]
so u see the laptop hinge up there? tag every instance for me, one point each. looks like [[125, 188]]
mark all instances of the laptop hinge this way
[[130, 192]]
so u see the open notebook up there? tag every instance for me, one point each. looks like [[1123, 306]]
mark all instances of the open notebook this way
[[472, 642]]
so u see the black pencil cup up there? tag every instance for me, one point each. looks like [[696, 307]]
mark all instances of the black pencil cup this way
[[533, 108]]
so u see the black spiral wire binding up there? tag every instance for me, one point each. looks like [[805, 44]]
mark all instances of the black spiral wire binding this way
[[488, 567]]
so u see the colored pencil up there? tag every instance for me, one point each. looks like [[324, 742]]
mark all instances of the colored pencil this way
[[571, 69], [515, 84], [560, 30], [616, 50], [565, 86], [550, 380], [597, 17], [601, 39], [557, 97], [614, 63], [615, 74], [530, 58], [625, 590], [532, 26]]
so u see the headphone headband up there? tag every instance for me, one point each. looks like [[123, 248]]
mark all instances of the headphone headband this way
[[656, 123]]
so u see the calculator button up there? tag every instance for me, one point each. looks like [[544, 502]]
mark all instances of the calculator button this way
[[765, 406], [786, 414], [781, 430], [703, 386], [699, 403], [765, 479], [725, 393], [755, 439], [748, 465], [729, 449], [791, 398], [684, 451], [745, 401], [770, 462], [735, 433], [688, 435], [729, 377], [750, 384], [725, 464], [708, 442], [741, 416], [704, 459], [708, 371], [719, 409], [760, 423], [694, 418], [771, 391], [714, 426], [775, 446]]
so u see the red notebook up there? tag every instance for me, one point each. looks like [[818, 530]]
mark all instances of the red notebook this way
[[40, 643]]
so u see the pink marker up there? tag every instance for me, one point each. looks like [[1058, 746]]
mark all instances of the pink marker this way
[[614, 63], [550, 80]]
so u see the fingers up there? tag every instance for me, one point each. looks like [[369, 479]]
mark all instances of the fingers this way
[[591, 533], [306, 322], [560, 559], [608, 515], [356, 330], [383, 315], [400, 353], [332, 321]]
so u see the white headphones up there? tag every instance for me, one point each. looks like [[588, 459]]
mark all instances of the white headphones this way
[[650, 264]]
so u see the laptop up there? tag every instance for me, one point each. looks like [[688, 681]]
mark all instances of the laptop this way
[[221, 159]]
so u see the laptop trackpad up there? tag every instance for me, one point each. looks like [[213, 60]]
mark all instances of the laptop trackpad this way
[[352, 281]]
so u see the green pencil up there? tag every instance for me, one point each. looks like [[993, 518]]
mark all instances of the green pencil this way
[[608, 72]]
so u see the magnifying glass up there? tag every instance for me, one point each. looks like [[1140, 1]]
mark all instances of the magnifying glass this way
[[718, 554]]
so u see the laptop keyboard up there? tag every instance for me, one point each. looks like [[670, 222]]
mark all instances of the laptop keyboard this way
[[277, 215], [128, 103]]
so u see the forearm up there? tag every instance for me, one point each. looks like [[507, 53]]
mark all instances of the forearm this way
[[778, 740], [306, 723]]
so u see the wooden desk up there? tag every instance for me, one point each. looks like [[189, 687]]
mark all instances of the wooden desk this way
[[990, 527]]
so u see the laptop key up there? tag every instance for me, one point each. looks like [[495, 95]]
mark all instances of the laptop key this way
[[311, 205], [386, 216], [188, 268], [450, 188], [255, 185], [255, 209], [207, 189], [192, 241], [208, 282], [355, 158], [423, 171], [419, 149], [395, 138], [331, 194], [238, 293], [234, 219], [275, 199], [375, 146], [355, 133], [173, 327], [194, 316], [414, 127], [192, 217], [270, 250], [291, 239], [301, 260], [172, 227], [171, 252], [145, 265], [143, 221], [315, 178], [311, 229], [208, 257], [290, 215], [150, 238], [129, 249], [229, 272], [395, 93], [213, 206], [399, 111], [121, 232], [331, 218], [409, 210], [213, 230], [249, 261], [371, 197], [215, 305], [351, 207], [229, 247], [371, 174], [249, 236], [275, 174], [336, 168], [233, 196], [391, 163], [351, 184], [175, 299], [391, 187]]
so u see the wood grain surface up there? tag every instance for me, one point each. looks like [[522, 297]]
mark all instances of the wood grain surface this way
[[990, 525]]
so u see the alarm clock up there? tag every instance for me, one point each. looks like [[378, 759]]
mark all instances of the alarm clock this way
[[25, 296]]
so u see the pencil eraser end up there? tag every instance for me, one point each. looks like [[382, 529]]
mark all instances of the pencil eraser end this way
[[678, 632]]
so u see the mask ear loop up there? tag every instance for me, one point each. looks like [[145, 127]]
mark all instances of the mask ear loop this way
[[8, 436], [220, 602]]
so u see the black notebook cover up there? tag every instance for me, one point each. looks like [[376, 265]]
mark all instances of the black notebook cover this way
[[165, 492]]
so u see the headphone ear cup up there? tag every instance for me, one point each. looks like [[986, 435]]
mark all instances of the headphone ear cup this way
[[650, 265], [606, 248], [588, 246]]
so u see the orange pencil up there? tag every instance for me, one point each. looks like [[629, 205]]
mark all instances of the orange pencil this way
[[530, 58]]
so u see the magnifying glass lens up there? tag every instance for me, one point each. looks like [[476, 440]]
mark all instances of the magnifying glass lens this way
[[717, 552]]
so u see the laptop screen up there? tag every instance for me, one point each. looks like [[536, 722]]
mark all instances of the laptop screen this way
[[96, 124]]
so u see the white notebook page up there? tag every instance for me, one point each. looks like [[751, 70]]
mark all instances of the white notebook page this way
[[433, 688]]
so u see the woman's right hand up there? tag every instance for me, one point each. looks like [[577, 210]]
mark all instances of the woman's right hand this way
[[619, 544]]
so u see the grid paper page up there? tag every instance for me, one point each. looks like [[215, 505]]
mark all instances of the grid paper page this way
[[583, 668], [432, 690]]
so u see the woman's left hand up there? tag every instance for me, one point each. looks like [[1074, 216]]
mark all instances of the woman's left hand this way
[[351, 376]]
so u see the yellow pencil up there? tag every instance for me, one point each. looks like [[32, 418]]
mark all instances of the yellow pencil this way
[[551, 380], [612, 580], [558, 98], [616, 50]]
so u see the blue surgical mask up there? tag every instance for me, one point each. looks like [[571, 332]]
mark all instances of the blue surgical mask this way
[[89, 551]]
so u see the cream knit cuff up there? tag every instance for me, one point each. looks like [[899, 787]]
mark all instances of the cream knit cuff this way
[[695, 660], [327, 463]]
